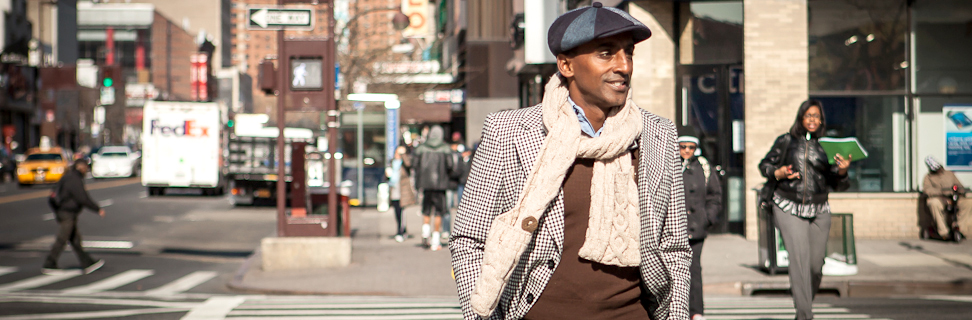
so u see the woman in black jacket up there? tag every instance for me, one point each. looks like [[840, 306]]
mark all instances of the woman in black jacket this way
[[800, 206]]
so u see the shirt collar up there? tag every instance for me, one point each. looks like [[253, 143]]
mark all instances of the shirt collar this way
[[585, 124]]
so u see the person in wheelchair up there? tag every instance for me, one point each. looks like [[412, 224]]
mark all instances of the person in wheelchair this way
[[937, 186]]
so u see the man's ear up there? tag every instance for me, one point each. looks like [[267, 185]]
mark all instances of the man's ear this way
[[564, 66]]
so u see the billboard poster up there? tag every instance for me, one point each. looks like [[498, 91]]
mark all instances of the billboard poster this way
[[958, 137]]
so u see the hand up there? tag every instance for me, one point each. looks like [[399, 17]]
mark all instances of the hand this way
[[101, 213], [786, 172], [842, 163]]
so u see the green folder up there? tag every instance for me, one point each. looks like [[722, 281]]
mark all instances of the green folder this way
[[843, 146]]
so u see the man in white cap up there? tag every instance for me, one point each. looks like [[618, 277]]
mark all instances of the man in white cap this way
[[574, 208], [703, 202], [937, 185]]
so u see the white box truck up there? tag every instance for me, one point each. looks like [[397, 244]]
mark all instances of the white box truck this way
[[182, 146]]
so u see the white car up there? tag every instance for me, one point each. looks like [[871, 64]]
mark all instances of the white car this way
[[115, 161]]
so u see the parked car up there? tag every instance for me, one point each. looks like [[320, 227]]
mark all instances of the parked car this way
[[115, 161], [42, 165]]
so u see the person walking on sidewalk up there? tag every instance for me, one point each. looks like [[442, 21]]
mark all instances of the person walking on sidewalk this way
[[400, 189], [69, 198], [703, 201], [557, 221], [937, 186], [800, 206], [433, 163]]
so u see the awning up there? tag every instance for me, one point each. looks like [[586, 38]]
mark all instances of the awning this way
[[417, 111]]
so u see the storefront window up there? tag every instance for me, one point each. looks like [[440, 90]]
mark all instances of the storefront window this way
[[857, 45], [943, 44], [712, 33], [880, 124]]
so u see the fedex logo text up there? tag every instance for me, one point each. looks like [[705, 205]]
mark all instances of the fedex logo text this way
[[187, 129]]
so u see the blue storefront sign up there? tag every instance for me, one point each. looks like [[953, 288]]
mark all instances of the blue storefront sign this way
[[391, 133], [958, 137]]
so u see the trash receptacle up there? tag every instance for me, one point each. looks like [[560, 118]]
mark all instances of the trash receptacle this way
[[772, 253], [841, 257]]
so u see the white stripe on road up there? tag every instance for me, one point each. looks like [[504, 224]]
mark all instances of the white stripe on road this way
[[787, 317], [353, 312], [365, 317], [39, 281], [7, 270], [105, 203], [402, 305], [113, 282], [43, 298], [745, 310], [183, 284], [214, 308], [108, 244], [93, 314], [47, 216]]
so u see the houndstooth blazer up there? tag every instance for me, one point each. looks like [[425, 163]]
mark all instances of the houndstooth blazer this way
[[509, 147]]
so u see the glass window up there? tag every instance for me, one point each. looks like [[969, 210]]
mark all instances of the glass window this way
[[943, 45], [880, 124], [857, 45], [712, 33]]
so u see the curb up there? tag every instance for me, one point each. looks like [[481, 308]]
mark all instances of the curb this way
[[237, 284], [849, 288]]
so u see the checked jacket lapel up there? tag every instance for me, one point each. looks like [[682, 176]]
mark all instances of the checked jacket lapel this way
[[527, 148]]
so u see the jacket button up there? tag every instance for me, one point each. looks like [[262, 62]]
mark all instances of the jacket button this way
[[529, 298], [551, 264]]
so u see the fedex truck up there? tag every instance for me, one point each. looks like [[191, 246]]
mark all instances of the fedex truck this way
[[182, 146]]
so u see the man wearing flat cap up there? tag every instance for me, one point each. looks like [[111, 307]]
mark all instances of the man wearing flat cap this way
[[574, 208]]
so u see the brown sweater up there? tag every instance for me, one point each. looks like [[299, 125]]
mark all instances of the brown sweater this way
[[581, 289]]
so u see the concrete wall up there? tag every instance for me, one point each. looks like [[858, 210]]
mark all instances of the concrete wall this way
[[776, 60], [476, 111], [653, 79], [879, 215]]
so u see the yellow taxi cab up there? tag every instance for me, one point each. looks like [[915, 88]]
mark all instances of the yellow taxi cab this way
[[42, 165]]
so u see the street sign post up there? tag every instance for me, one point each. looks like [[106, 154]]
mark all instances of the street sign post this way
[[279, 18]]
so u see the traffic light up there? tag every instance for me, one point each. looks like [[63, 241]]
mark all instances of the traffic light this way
[[107, 77], [230, 123]]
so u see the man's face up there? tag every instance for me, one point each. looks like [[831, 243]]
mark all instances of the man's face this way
[[600, 71], [687, 149], [82, 168]]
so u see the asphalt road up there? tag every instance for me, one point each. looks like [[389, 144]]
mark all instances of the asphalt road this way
[[170, 257]]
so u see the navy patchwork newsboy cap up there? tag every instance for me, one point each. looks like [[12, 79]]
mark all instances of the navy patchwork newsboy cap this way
[[582, 25]]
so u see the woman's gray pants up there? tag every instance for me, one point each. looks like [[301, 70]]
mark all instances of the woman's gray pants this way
[[806, 245]]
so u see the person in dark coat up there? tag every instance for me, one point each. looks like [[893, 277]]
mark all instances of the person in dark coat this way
[[433, 162], [703, 201], [70, 198]]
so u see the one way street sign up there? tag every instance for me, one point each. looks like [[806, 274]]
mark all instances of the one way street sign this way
[[289, 18]]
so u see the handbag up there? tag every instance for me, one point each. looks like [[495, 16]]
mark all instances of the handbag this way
[[766, 193]]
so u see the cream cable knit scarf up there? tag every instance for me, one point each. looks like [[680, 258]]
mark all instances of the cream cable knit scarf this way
[[613, 229]]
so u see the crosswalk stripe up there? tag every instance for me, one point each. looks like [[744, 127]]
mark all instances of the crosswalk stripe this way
[[214, 308], [7, 270], [182, 284], [111, 283], [366, 317], [343, 312], [39, 281], [420, 305], [93, 314]]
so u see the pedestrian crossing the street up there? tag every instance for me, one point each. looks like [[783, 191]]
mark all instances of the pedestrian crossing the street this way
[[756, 308]]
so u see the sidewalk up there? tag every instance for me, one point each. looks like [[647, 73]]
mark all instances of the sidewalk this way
[[381, 266]]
